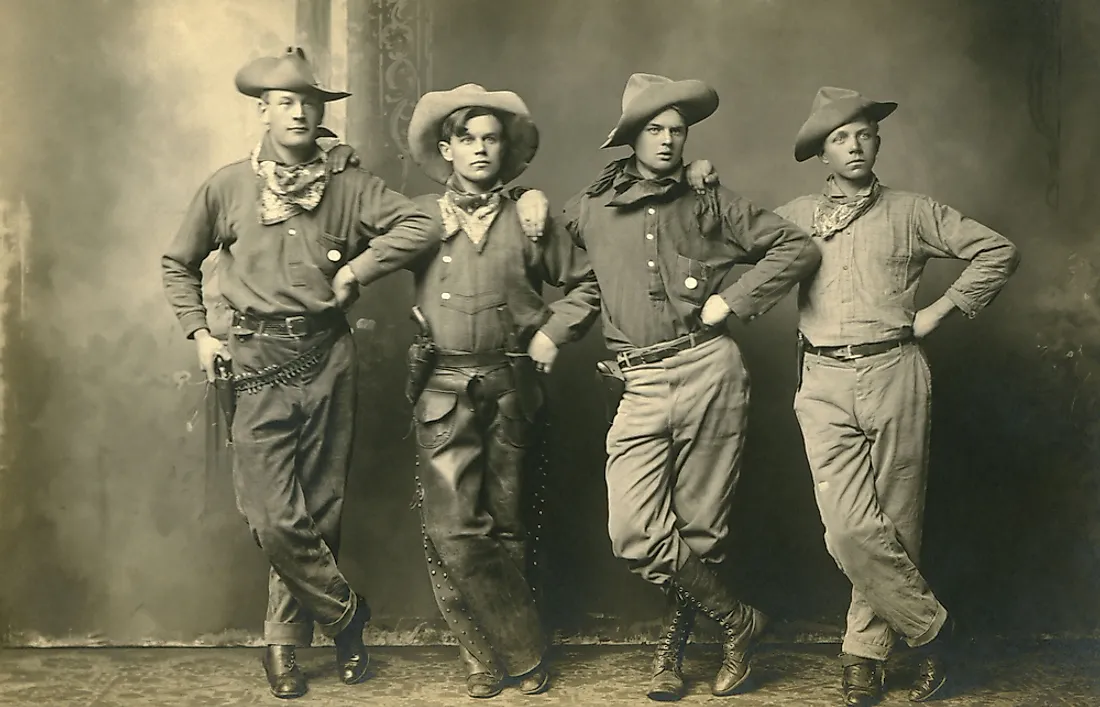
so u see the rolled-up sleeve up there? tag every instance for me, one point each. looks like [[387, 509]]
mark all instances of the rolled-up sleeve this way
[[946, 233], [565, 265]]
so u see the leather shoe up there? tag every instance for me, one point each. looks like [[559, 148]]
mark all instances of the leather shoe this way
[[931, 677], [535, 682], [737, 649], [351, 655], [862, 682], [482, 685], [932, 668], [283, 674]]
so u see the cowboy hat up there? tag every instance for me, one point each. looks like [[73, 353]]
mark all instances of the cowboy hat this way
[[832, 108], [434, 107], [646, 95], [289, 71]]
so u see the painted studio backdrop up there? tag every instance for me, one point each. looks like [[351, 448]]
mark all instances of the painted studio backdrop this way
[[113, 529]]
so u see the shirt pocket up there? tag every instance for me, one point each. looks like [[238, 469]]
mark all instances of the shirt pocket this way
[[691, 279], [471, 304], [330, 252]]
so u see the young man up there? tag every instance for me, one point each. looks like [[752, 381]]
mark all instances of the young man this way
[[475, 391], [865, 388], [294, 242], [660, 253]]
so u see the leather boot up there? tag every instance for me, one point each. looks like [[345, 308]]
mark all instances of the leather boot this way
[[742, 624], [667, 682], [535, 682], [351, 655], [480, 681], [283, 674], [932, 668], [862, 681]]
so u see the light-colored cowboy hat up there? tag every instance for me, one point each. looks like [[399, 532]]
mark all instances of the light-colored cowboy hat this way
[[289, 71], [434, 107], [646, 95], [832, 108]]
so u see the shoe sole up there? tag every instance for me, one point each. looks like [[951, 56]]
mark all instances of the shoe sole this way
[[663, 696], [932, 694], [734, 688]]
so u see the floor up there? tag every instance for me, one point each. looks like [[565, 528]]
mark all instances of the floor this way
[[991, 674]]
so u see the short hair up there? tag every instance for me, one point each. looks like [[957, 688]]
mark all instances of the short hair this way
[[455, 123]]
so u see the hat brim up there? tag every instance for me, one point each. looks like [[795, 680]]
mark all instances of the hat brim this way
[[812, 134], [695, 100], [434, 107], [274, 74]]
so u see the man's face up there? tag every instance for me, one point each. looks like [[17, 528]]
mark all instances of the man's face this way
[[476, 154], [659, 147], [292, 118], [850, 150]]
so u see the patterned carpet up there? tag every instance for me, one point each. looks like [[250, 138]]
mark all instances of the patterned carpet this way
[[991, 674]]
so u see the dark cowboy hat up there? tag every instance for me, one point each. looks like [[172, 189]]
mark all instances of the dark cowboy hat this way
[[832, 108], [434, 107], [646, 95], [289, 71]]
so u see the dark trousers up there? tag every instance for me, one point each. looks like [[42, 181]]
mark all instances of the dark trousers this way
[[291, 455], [473, 439]]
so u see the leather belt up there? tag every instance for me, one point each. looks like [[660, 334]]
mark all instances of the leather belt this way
[[852, 352], [466, 359], [665, 349], [297, 325]]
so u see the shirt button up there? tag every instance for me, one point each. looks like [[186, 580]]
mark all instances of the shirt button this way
[[446, 258], [333, 255], [691, 283], [292, 232], [649, 236], [652, 210], [445, 295], [651, 264]]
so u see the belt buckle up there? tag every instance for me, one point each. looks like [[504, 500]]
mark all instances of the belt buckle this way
[[845, 354], [296, 326]]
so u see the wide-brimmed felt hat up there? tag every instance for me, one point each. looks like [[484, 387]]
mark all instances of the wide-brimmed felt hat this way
[[646, 95], [434, 107], [832, 108], [290, 71]]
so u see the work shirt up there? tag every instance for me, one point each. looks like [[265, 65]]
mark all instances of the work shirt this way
[[286, 269], [659, 251], [865, 289], [460, 286]]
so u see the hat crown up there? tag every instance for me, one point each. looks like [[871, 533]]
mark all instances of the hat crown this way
[[638, 83], [827, 95]]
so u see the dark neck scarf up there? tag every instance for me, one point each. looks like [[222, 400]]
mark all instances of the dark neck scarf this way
[[835, 211], [631, 187]]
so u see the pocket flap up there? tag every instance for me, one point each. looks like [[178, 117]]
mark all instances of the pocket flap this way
[[434, 405]]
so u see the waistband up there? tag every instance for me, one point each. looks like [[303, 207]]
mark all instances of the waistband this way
[[665, 349], [297, 325], [466, 359], [851, 352]]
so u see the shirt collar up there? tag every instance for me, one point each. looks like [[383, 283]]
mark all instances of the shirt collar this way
[[269, 154], [835, 193]]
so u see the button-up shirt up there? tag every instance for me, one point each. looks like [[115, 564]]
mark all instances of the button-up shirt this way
[[460, 287], [865, 289], [286, 268], [659, 251]]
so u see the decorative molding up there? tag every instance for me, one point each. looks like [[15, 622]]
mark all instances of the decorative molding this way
[[402, 33]]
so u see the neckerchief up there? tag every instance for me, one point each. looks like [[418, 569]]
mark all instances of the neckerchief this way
[[288, 190], [630, 186], [471, 213], [834, 212]]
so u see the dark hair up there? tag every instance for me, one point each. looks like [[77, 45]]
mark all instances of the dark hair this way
[[455, 123]]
